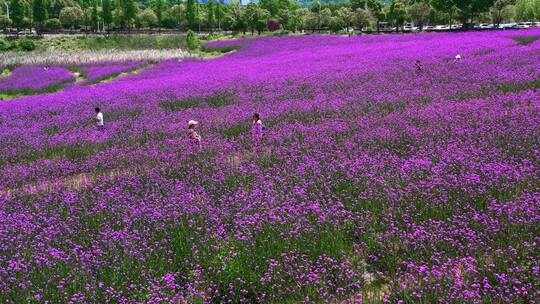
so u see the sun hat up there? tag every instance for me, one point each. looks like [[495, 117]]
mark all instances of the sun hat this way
[[192, 122]]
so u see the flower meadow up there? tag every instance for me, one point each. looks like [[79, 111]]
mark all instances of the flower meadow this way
[[97, 72], [375, 182], [34, 78]]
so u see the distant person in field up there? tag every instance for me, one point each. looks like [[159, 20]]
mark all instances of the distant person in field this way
[[257, 128], [419, 67], [99, 118], [458, 58], [192, 133]]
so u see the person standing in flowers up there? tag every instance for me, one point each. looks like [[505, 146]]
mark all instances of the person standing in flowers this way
[[99, 118], [257, 128], [193, 136], [458, 58], [419, 67]]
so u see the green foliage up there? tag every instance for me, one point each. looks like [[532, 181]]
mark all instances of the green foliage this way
[[526, 40], [147, 18], [190, 14], [26, 45], [17, 13], [106, 12], [4, 44], [192, 42], [5, 22], [71, 16], [39, 11], [53, 24]]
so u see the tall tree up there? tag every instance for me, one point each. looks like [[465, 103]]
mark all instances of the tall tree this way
[[419, 13], [159, 8], [346, 15], [219, 13], [190, 14], [39, 12], [397, 14], [106, 13], [17, 13], [446, 6], [129, 11], [362, 17], [471, 8], [95, 17], [210, 14]]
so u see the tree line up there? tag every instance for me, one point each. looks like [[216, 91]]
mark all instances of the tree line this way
[[265, 15]]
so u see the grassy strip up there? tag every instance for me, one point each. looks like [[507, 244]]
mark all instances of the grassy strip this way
[[116, 74], [14, 93], [525, 40], [216, 100]]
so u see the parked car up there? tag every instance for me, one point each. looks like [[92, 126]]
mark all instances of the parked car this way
[[524, 25], [27, 32], [507, 25], [536, 24], [410, 28], [441, 27], [428, 28]]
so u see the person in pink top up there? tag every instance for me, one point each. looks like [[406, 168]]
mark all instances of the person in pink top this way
[[257, 128]]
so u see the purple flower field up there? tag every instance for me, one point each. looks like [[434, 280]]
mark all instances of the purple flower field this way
[[96, 72], [375, 182], [33, 78]]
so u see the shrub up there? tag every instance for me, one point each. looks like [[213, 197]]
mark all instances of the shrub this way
[[192, 42], [53, 24], [4, 45], [26, 44]]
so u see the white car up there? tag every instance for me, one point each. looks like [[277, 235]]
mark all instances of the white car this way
[[485, 26], [507, 25], [441, 27], [428, 28], [536, 24], [524, 25], [410, 28]]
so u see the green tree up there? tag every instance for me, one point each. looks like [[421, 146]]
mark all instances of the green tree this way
[[95, 17], [39, 12], [71, 16], [527, 9], [190, 14], [448, 7], [147, 18], [159, 8], [210, 15], [362, 18], [336, 24], [471, 8], [397, 14], [419, 13], [174, 16], [106, 13], [219, 13], [256, 18], [53, 24], [237, 16], [17, 13], [129, 12], [346, 15]]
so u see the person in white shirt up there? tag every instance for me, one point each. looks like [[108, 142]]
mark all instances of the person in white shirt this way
[[192, 134], [99, 118], [257, 128], [458, 58]]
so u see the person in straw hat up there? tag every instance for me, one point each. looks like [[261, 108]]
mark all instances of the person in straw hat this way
[[192, 133]]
